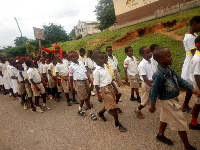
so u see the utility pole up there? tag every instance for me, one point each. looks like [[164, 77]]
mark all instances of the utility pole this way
[[21, 35]]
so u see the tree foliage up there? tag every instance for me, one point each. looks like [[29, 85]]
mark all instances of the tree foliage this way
[[105, 13], [72, 34], [54, 33], [20, 40]]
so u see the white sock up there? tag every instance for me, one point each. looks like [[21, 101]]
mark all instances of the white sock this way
[[10, 94], [44, 104], [79, 108]]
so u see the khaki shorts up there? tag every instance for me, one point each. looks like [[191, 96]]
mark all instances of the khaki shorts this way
[[145, 94], [37, 93], [134, 81], [51, 83], [82, 88], [21, 88], [28, 90], [65, 85], [197, 99], [172, 114], [108, 96], [117, 77]]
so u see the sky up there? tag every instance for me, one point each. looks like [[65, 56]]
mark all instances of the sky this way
[[36, 13]]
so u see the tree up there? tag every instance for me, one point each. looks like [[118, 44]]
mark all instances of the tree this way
[[105, 13], [20, 40], [72, 34], [54, 33]]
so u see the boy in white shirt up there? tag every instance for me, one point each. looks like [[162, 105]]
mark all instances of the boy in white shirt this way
[[79, 75], [103, 80], [146, 70], [36, 85], [189, 46], [82, 55], [62, 72], [131, 73], [112, 60]]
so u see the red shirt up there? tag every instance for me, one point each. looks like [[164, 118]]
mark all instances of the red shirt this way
[[53, 51]]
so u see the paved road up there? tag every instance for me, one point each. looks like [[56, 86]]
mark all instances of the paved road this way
[[61, 128]]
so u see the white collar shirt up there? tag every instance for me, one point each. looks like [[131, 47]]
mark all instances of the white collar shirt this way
[[189, 42], [147, 68], [132, 65], [113, 62], [32, 73], [195, 67], [4, 67], [65, 61], [13, 71], [83, 59], [62, 69], [101, 76], [90, 63], [78, 71], [24, 75]]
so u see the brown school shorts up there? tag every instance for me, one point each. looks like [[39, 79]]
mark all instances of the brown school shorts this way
[[117, 77], [21, 88], [51, 83], [108, 95], [82, 88], [145, 94], [134, 81], [37, 93], [65, 85]]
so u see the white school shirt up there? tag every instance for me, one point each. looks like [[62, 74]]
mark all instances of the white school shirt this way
[[4, 67], [40, 67], [195, 66], [113, 62], [62, 69], [13, 71], [101, 76], [45, 69], [147, 68], [131, 65], [51, 67], [90, 63], [25, 66], [24, 74], [83, 59], [78, 71], [32, 73], [65, 61]]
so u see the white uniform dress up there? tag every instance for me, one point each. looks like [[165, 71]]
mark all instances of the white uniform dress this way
[[14, 73], [188, 44], [1, 77], [6, 77]]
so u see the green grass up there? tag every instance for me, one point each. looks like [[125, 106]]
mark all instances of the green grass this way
[[107, 37]]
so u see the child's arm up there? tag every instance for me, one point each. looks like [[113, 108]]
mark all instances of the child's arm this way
[[35, 85], [96, 84], [125, 73], [147, 80], [98, 93]]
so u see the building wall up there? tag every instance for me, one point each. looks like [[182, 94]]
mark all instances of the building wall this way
[[129, 13]]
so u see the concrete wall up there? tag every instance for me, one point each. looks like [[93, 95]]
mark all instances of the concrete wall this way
[[152, 11]]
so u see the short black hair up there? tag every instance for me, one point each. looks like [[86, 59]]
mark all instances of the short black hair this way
[[104, 53], [90, 51], [81, 50], [197, 40], [158, 53], [141, 50], [96, 54], [153, 47], [28, 62], [127, 48], [63, 52], [108, 47], [195, 19]]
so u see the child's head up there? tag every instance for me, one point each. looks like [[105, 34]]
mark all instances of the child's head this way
[[163, 56], [22, 59], [105, 57], [12, 61], [29, 63], [73, 56], [145, 52], [42, 59], [58, 58], [64, 54], [98, 58], [82, 52], [197, 43], [19, 66], [89, 53], [195, 23], [153, 47], [109, 50], [129, 51]]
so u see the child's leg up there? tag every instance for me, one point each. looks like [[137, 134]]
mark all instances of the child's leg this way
[[93, 116], [37, 101], [115, 115], [162, 128], [137, 92], [195, 113], [184, 138], [31, 101], [185, 105], [68, 100]]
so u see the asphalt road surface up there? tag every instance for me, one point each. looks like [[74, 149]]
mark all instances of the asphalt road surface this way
[[61, 128]]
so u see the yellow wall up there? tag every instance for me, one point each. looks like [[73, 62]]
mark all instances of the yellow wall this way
[[123, 6]]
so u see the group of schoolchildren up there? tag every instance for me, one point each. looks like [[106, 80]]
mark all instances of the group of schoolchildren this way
[[50, 75]]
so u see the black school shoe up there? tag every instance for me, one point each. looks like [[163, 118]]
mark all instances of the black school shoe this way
[[133, 99], [163, 139], [75, 101], [190, 148], [101, 115], [119, 127], [139, 100], [192, 127], [68, 103]]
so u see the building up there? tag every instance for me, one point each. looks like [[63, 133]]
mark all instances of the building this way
[[86, 28], [130, 12]]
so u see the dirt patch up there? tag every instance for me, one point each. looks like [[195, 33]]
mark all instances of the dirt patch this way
[[157, 28], [96, 41]]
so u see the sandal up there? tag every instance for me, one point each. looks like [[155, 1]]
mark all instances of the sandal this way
[[81, 113], [93, 116]]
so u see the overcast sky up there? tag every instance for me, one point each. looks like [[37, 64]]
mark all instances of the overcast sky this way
[[35, 13]]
